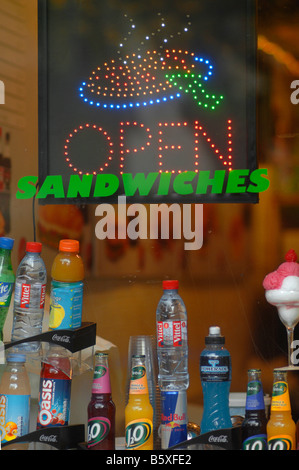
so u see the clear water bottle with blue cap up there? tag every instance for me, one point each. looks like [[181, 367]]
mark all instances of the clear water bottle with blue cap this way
[[215, 375], [7, 279]]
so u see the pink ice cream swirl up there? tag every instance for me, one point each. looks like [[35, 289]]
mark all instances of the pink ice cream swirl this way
[[290, 267], [282, 289]]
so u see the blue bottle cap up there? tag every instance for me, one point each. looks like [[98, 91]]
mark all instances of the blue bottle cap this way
[[15, 357], [6, 243]]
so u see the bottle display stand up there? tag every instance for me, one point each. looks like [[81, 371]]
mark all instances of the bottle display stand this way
[[61, 438], [75, 341], [72, 340], [220, 439]]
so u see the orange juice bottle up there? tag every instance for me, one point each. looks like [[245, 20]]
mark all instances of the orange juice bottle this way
[[66, 287], [139, 411], [281, 429]]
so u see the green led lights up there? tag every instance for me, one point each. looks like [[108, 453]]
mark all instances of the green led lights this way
[[192, 83]]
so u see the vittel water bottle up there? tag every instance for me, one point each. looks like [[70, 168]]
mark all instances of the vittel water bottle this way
[[29, 300], [215, 374], [172, 345]]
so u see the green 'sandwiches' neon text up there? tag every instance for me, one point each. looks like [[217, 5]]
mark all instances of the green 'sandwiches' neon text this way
[[184, 184]]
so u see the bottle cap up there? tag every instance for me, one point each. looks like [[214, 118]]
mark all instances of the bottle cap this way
[[69, 245], [100, 353], [168, 285], [6, 243], [215, 336], [16, 357], [34, 247]]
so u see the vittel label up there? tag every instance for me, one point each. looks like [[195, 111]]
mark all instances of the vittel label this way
[[138, 433], [42, 296], [171, 333], [258, 442], [98, 430], [25, 295]]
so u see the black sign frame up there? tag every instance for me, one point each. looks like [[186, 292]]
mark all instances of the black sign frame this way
[[47, 131]]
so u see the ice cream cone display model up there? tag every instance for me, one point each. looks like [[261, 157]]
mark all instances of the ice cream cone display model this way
[[282, 291]]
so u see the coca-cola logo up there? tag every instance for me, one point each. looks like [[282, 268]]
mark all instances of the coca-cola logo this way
[[61, 339], [219, 439], [51, 438]]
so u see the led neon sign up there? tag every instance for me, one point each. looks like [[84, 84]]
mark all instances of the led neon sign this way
[[198, 132], [148, 106], [150, 79], [136, 82]]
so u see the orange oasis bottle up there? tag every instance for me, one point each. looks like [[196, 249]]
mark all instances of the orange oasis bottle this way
[[66, 287], [139, 411], [281, 429]]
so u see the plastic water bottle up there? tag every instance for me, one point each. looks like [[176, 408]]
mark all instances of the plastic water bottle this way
[[172, 341], [29, 301], [215, 375], [7, 279], [15, 399]]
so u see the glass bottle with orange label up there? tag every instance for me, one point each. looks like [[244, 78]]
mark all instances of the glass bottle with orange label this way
[[281, 429], [139, 411]]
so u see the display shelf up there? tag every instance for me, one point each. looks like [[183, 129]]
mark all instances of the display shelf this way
[[220, 439], [75, 341], [59, 437], [72, 340]]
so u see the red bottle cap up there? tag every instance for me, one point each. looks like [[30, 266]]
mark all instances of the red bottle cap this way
[[69, 245], [34, 247], [167, 285]]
